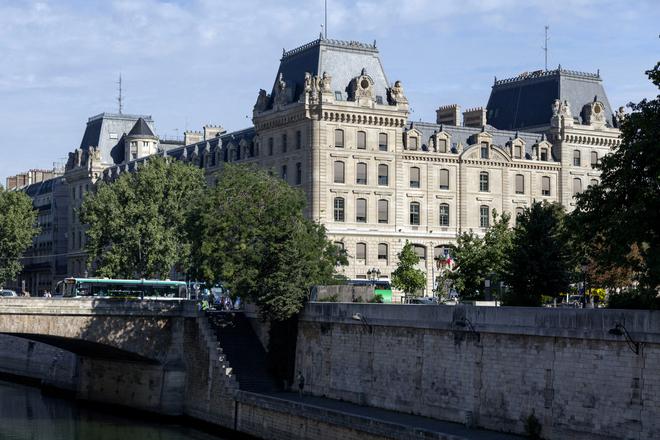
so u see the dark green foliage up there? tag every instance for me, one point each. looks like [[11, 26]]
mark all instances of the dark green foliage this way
[[540, 259], [478, 259], [619, 219], [254, 239], [377, 298], [17, 229], [634, 299], [533, 427], [407, 277], [140, 225]]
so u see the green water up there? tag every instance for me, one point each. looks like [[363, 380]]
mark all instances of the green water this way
[[27, 414]]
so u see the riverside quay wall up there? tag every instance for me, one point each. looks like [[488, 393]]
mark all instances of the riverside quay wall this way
[[583, 373]]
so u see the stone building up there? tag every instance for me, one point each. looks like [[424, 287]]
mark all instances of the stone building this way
[[335, 126]]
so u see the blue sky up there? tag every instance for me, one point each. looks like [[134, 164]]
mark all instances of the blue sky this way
[[188, 63]]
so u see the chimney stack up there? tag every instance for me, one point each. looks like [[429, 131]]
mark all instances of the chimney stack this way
[[448, 114], [474, 117]]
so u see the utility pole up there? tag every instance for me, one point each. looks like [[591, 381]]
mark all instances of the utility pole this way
[[119, 98], [545, 47]]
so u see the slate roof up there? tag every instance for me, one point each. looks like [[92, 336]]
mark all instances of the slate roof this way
[[106, 130], [343, 60], [460, 134], [141, 128], [525, 101]]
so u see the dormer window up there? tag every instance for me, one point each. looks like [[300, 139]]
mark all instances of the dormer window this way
[[442, 145], [484, 150], [517, 152], [412, 143], [544, 154], [338, 96]]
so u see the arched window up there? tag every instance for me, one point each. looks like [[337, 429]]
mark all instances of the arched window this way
[[483, 181], [339, 171], [577, 186], [414, 177], [414, 213], [520, 184], [383, 208], [270, 146], [361, 251], [298, 173], [382, 142], [593, 182], [285, 143], [361, 173], [576, 158], [443, 217], [382, 252], [339, 209], [339, 138], [361, 140], [383, 174], [545, 186], [361, 210], [441, 251], [594, 158], [420, 251], [298, 140], [444, 178], [484, 216]]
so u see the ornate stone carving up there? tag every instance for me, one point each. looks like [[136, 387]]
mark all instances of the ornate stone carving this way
[[395, 94], [594, 113], [619, 117], [281, 91], [325, 83], [262, 101]]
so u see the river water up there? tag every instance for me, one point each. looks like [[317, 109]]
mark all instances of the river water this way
[[27, 414]]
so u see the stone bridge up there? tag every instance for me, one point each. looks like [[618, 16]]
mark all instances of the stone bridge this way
[[130, 352]]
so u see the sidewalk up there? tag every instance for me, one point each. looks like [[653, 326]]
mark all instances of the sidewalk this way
[[423, 427]]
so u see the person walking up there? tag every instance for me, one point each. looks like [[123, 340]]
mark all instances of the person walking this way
[[301, 383]]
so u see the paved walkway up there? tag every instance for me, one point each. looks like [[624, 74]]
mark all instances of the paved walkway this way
[[394, 417]]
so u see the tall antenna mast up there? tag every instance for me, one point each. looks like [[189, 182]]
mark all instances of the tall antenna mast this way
[[119, 98], [545, 47], [325, 28]]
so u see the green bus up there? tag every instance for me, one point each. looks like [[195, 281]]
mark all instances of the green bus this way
[[381, 287], [105, 287]]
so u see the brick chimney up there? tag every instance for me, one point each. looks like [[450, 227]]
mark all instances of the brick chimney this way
[[474, 117], [448, 114]]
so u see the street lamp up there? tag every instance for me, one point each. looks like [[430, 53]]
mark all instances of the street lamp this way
[[584, 266], [373, 274]]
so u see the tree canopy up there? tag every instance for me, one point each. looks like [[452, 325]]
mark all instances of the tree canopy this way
[[407, 277], [17, 229], [540, 258], [140, 225], [254, 239], [619, 219]]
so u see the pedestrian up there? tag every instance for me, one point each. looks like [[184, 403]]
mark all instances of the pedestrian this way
[[301, 383]]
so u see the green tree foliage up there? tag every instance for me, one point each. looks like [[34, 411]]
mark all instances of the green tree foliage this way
[[255, 240], [619, 219], [407, 277], [17, 229], [478, 259], [139, 226], [540, 260]]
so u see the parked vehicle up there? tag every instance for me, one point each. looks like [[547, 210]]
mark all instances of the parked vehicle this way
[[7, 292]]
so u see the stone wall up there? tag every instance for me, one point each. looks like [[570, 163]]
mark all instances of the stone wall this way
[[491, 367]]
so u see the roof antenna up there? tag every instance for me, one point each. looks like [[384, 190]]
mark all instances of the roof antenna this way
[[120, 100], [325, 28], [545, 47]]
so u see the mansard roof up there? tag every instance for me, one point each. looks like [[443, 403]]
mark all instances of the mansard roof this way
[[342, 60], [141, 128], [525, 101]]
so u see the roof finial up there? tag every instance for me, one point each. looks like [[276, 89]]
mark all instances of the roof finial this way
[[545, 47]]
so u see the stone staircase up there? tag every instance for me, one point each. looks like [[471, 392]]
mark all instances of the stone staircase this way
[[242, 352]]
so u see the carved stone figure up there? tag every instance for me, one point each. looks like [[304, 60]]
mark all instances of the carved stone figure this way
[[619, 117], [556, 107], [262, 101], [566, 110], [395, 93], [281, 97], [325, 82], [308, 82]]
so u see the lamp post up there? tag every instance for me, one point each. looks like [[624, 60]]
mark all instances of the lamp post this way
[[584, 266]]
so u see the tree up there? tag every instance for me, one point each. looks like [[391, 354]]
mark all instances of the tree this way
[[407, 277], [619, 219], [17, 229], [540, 259], [140, 225], [254, 239], [478, 259]]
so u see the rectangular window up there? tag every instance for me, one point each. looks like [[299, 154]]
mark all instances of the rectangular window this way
[[577, 186], [382, 211], [412, 143], [383, 174], [361, 251], [284, 143], [520, 184], [382, 251], [283, 172], [484, 150], [442, 145], [483, 182], [339, 209], [576, 158], [270, 146], [544, 154], [484, 216], [338, 96], [339, 138], [414, 177], [361, 211], [517, 152], [298, 173], [444, 215], [414, 213], [382, 141], [298, 140], [444, 179], [361, 140], [361, 173], [339, 171], [594, 158], [545, 186]]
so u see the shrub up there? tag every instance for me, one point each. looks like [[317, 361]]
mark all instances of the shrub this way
[[377, 298]]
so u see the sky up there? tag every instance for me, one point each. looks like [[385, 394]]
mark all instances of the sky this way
[[194, 62]]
